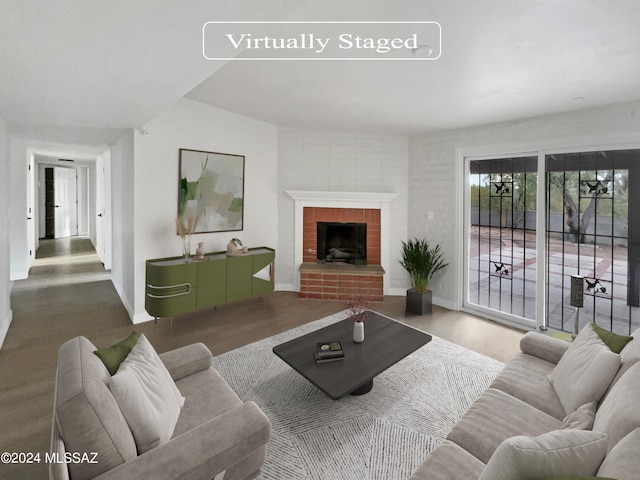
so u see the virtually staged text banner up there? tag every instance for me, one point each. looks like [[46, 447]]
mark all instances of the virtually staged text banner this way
[[321, 40]]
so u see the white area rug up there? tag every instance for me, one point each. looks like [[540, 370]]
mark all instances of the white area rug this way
[[383, 435]]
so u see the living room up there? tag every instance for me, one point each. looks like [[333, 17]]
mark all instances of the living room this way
[[315, 141]]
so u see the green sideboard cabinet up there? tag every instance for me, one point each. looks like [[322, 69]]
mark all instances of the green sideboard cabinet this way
[[175, 287]]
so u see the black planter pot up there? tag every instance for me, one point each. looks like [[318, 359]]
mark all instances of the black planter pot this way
[[418, 303]]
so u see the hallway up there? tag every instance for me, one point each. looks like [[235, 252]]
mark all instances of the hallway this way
[[68, 260], [68, 293]]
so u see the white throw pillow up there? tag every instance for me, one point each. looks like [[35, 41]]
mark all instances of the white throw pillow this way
[[585, 371], [147, 396], [557, 453]]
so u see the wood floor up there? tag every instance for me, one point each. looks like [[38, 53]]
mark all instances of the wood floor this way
[[68, 293]]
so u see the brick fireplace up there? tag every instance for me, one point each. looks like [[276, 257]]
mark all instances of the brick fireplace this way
[[369, 216], [333, 280]]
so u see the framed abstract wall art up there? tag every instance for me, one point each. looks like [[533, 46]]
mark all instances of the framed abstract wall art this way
[[211, 191]]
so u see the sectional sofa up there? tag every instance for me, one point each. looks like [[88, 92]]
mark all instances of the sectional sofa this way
[[531, 423]]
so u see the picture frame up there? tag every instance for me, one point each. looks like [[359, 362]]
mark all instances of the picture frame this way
[[211, 191]]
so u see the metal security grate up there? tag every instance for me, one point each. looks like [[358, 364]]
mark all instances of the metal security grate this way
[[502, 247], [592, 216]]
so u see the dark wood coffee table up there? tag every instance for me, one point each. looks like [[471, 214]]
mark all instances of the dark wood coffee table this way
[[386, 342]]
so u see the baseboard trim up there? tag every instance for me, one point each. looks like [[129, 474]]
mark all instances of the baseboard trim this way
[[6, 322], [20, 275], [448, 304], [123, 299], [141, 318]]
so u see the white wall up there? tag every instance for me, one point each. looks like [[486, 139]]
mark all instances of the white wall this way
[[100, 223], [194, 125], [336, 161], [5, 283], [123, 218], [18, 236], [434, 185], [84, 202]]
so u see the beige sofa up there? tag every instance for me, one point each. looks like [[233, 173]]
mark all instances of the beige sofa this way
[[215, 431], [522, 402]]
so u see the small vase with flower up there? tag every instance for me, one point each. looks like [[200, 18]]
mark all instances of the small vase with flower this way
[[357, 303]]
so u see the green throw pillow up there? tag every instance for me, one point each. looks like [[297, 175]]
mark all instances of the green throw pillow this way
[[113, 356], [614, 341]]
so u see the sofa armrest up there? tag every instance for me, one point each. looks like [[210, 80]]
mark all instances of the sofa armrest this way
[[543, 346], [185, 361], [203, 452]]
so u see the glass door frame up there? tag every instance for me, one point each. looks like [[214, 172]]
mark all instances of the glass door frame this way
[[465, 304], [464, 155]]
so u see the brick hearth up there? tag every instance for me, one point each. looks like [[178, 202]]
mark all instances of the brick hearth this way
[[336, 281]]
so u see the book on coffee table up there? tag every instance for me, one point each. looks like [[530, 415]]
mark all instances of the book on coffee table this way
[[327, 359], [328, 351]]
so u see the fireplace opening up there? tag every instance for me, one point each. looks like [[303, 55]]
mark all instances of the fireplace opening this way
[[342, 242]]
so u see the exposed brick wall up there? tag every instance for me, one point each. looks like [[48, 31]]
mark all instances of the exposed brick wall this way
[[312, 215], [332, 286]]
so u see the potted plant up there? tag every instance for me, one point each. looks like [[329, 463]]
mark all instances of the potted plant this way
[[422, 261]]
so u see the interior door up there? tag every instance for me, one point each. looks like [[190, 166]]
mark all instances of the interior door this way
[[65, 188]]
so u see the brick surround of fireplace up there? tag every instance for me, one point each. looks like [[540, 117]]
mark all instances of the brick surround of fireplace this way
[[335, 281]]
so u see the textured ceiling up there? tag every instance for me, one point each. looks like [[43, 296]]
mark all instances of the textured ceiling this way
[[118, 64]]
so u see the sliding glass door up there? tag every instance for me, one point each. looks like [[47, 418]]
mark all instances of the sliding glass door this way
[[593, 215], [519, 263], [501, 237]]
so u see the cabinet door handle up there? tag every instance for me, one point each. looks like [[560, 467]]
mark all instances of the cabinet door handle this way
[[166, 287]]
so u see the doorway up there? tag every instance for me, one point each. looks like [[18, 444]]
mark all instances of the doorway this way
[[61, 202]]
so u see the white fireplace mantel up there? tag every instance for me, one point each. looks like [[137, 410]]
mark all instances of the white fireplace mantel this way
[[328, 199], [342, 197]]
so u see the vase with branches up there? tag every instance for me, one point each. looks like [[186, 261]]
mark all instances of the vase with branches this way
[[357, 303], [186, 225]]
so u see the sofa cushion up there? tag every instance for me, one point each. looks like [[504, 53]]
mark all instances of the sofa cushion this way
[[147, 396], [527, 377], [87, 415], [449, 461], [622, 461], [493, 418], [198, 408], [585, 371], [619, 414], [113, 356], [561, 452], [581, 419], [629, 356]]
